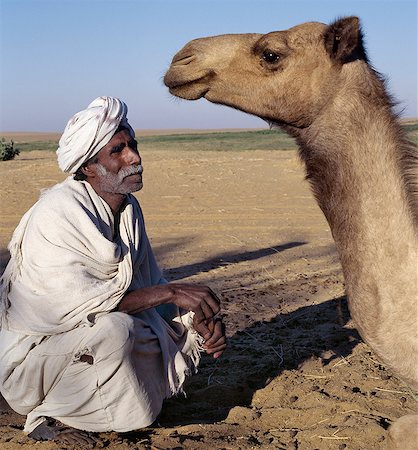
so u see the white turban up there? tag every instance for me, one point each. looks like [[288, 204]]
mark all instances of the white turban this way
[[89, 131]]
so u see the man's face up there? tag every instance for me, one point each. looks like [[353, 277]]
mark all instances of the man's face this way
[[118, 165]]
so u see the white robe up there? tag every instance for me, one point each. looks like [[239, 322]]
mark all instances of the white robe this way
[[59, 292]]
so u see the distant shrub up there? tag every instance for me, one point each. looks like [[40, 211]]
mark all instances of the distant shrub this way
[[7, 150]]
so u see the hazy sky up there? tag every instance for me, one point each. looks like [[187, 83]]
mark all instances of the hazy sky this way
[[58, 55]]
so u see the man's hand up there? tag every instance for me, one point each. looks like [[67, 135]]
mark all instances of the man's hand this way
[[202, 301], [199, 299], [216, 344]]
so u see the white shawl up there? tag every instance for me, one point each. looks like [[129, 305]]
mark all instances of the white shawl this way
[[65, 267]]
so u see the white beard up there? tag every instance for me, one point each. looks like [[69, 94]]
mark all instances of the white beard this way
[[114, 183]]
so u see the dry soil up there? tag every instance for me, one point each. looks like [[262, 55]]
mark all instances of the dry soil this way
[[296, 374]]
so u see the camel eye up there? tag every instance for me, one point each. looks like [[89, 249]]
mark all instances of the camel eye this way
[[270, 57]]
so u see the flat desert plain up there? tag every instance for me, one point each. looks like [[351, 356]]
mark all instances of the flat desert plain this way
[[296, 375]]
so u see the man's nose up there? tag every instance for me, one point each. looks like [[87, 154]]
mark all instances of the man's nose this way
[[133, 157]]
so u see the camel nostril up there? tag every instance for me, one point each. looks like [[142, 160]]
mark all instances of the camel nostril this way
[[182, 60]]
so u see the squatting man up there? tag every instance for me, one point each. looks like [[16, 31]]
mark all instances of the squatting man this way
[[92, 337]]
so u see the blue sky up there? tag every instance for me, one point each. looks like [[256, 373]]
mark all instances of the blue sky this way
[[58, 55]]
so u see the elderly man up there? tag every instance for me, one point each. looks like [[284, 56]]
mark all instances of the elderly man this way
[[92, 337]]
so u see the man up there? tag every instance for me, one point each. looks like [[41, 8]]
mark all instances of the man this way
[[92, 337]]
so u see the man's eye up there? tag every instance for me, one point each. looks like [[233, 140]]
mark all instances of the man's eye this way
[[117, 149], [270, 57]]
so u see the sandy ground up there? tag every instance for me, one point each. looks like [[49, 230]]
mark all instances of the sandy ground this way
[[296, 374]]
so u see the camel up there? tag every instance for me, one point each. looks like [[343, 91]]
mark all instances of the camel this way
[[315, 82]]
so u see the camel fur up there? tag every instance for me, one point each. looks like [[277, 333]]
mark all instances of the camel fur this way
[[316, 83]]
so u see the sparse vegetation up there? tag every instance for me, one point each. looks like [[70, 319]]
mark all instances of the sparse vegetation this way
[[7, 150], [411, 127], [268, 139], [220, 141], [38, 145]]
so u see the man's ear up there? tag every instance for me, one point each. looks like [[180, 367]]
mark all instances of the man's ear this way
[[88, 170], [344, 40]]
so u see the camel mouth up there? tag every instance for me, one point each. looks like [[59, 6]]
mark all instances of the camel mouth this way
[[187, 89]]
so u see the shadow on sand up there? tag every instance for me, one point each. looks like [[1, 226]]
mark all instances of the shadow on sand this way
[[255, 356], [258, 354], [222, 259]]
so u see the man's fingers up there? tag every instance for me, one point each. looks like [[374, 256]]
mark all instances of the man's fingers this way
[[216, 352], [208, 309], [216, 348], [192, 297], [214, 296], [218, 333], [216, 344], [211, 329], [210, 303], [205, 304], [201, 327], [199, 315]]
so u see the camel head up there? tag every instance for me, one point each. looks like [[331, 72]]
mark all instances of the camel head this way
[[286, 77]]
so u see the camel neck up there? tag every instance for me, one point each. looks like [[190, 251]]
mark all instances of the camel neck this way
[[356, 178], [353, 163]]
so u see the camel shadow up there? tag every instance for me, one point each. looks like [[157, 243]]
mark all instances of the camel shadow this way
[[188, 270], [223, 259], [255, 356], [258, 354]]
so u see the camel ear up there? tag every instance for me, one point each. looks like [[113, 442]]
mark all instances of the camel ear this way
[[344, 40]]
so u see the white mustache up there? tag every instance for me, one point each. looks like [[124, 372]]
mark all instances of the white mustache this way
[[131, 170]]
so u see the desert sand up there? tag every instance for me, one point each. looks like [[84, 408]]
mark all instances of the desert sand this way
[[296, 375]]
